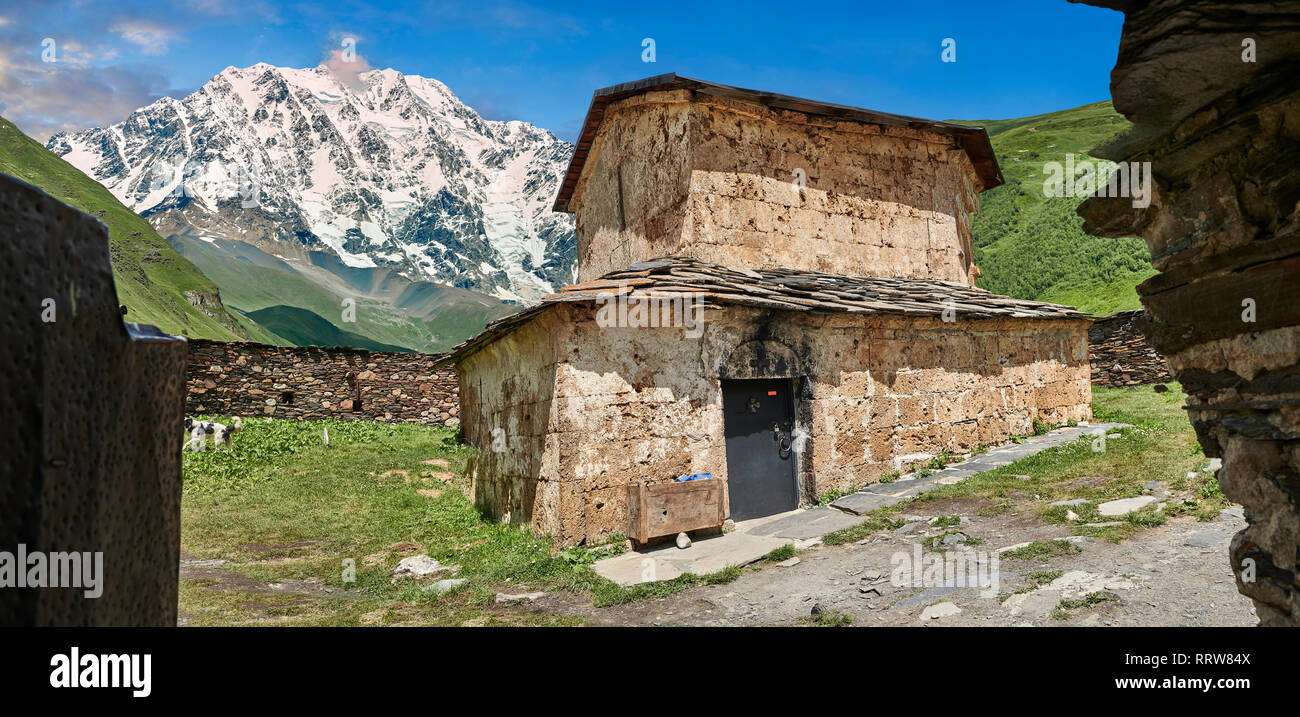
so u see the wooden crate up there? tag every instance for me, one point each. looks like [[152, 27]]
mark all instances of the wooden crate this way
[[672, 508]]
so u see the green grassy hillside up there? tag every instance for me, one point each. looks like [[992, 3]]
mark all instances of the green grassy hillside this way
[[152, 279], [305, 328], [1033, 247], [415, 316]]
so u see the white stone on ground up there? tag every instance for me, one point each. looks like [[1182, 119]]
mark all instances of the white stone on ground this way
[[943, 609], [1036, 603], [418, 566], [442, 587], [1078, 583], [507, 597], [1124, 506]]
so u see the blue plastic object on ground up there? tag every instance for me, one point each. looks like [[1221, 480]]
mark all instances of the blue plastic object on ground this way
[[695, 476]]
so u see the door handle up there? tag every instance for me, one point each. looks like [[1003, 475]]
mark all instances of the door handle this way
[[782, 439]]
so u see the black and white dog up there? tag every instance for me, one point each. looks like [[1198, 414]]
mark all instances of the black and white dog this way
[[198, 431]]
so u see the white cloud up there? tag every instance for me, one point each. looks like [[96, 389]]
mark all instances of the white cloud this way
[[149, 36], [520, 16], [234, 7], [42, 98], [345, 62], [211, 7]]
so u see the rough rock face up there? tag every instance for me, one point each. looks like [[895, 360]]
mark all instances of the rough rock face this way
[[1212, 90], [383, 169], [1121, 356]]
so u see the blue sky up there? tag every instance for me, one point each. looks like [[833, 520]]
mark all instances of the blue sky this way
[[540, 61]]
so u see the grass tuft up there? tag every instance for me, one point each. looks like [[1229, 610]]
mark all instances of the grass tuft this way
[[785, 552], [1041, 550]]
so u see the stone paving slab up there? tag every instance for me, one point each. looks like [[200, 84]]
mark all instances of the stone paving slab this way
[[742, 547], [707, 555], [808, 524], [865, 502], [885, 494], [887, 488], [1124, 506]]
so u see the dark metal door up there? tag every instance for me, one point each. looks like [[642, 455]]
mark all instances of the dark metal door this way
[[758, 417]]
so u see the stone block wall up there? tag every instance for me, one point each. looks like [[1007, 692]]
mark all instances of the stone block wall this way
[[879, 200], [612, 407], [674, 173], [633, 184], [894, 394], [1121, 355], [507, 392], [309, 382]]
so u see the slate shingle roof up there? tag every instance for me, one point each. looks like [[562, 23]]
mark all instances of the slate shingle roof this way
[[783, 289]]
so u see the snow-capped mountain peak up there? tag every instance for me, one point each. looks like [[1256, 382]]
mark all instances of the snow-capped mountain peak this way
[[380, 168]]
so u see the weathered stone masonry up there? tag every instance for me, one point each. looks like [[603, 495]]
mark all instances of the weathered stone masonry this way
[[1121, 355], [850, 293], [721, 179], [582, 411], [311, 382]]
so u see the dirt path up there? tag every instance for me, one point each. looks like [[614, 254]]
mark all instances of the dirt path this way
[[1172, 575], [1175, 575]]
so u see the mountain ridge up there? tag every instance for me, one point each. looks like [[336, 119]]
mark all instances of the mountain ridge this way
[[420, 316], [156, 284], [307, 328], [380, 169]]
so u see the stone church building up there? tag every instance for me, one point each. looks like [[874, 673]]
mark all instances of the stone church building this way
[[776, 298]]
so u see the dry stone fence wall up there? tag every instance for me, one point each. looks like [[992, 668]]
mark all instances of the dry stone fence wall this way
[[1121, 356], [311, 382]]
